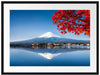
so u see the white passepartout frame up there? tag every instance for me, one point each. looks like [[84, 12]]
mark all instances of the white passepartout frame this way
[[60, 69]]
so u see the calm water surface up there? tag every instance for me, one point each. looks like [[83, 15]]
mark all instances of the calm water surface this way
[[49, 57]]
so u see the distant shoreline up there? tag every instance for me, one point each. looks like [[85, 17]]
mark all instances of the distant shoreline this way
[[50, 45]]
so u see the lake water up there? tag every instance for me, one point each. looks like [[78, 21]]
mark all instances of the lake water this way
[[49, 57]]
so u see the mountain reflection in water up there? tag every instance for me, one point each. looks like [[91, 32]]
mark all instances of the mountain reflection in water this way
[[50, 56], [51, 52]]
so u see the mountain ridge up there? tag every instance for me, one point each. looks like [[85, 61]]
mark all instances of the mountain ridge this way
[[49, 37], [52, 40]]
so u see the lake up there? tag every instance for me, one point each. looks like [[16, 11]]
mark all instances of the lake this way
[[50, 57]]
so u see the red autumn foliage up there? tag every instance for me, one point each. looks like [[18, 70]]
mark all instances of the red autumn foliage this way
[[75, 21]]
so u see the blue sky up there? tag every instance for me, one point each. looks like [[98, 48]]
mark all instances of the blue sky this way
[[26, 24]]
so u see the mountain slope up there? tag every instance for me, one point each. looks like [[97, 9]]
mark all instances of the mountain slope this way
[[51, 38]]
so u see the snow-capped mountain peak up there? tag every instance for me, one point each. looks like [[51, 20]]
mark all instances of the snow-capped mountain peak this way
[[48, 35]]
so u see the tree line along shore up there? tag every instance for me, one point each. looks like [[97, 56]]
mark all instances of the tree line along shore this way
[[47, 44]]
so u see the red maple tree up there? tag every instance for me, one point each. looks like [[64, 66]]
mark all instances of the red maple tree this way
[[75, 21]]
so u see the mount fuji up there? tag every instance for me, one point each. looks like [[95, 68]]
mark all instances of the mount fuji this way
[[49, 37]]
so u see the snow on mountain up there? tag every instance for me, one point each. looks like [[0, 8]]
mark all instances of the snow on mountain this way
[[48, 35]]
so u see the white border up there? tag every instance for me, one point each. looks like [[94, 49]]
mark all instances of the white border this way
[[8, 7]]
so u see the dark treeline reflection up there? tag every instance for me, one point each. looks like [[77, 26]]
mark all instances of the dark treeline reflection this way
[[61, 47], [56, 49]]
